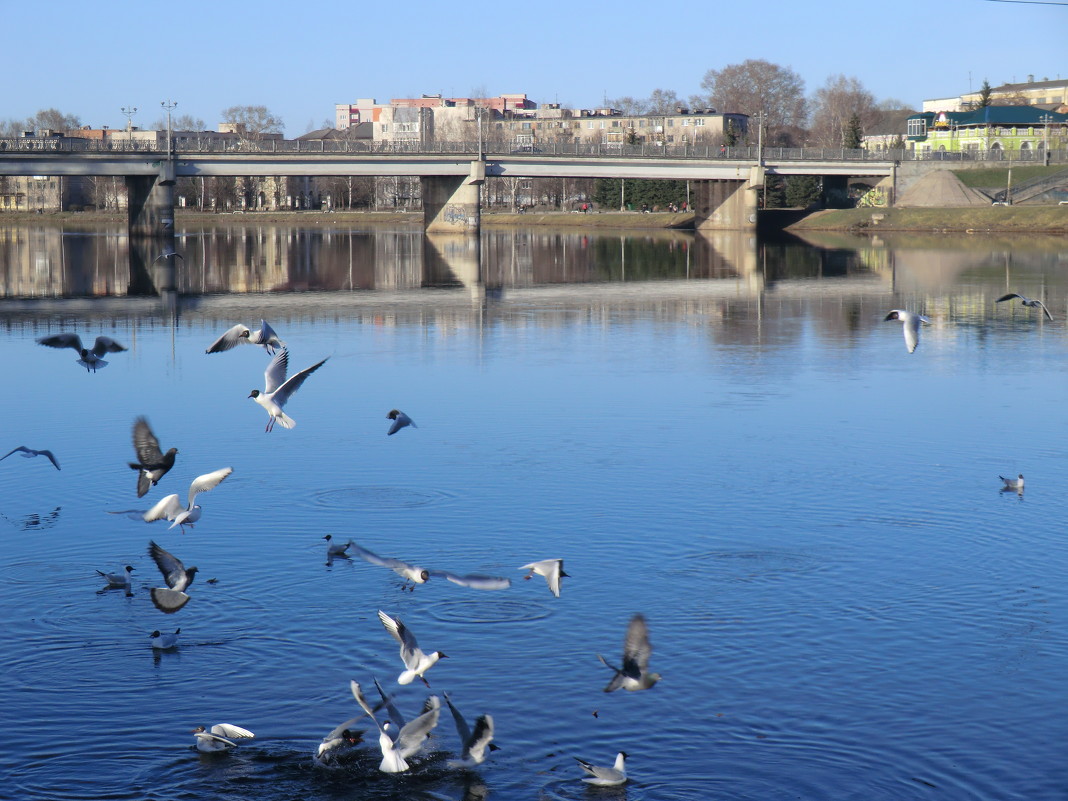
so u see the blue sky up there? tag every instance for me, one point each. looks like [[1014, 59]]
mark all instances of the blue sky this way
[[299, 59]]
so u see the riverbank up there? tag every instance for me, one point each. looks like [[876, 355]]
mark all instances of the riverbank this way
[[992, 219], [972, 220]]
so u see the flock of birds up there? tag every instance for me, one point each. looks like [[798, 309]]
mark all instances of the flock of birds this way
[[399, 740]]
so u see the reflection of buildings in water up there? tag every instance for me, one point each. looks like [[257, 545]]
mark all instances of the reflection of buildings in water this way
[[49, 261]]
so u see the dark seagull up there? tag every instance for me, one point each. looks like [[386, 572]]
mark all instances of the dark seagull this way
[[89, 358], [152, 464], [1034, 304], [29, 453], [173, 597], [634, 675]]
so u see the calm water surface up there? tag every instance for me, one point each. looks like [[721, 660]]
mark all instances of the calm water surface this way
[[726, 438]]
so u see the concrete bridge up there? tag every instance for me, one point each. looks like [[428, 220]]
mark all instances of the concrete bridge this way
[[724, 182]]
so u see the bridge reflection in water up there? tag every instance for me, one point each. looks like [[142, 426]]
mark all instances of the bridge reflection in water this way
[[399, 275]]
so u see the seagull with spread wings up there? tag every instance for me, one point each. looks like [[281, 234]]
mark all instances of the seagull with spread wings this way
[[173, 597], [29, 453], [1029, 302], [152, 463], [634, 675], [278, 389], [89, 358], [170, 508], [241, 334]]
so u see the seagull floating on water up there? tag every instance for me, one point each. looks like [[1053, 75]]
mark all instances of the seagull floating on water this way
[[222, 737], [335, 550], [152, 464], [400, 420], [89, 358], [474, 743], [911, 326], [1015, 484], [173, 597], [634, 675], [278, 390], [412, 573], [164, 642], [242, 334], [399, 743], [606, 777], [29, 453], [416, 662], [1034, 304], [171, 508], [118, 581], [552, 569]]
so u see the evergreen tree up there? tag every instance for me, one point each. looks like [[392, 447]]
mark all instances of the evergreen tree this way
[[854, 135], [802, 191], [984, 94], [774, 192], [730, 136]]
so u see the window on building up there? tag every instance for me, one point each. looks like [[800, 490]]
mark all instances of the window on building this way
[[917, 127]]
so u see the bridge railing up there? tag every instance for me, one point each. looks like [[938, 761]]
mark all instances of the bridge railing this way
[[193, 145]]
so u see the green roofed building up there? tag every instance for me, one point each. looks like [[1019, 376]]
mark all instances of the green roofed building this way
[[1020, 132]]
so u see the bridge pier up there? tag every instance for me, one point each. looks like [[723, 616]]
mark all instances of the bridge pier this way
[[451, 203], [728, 205], [150, 224]]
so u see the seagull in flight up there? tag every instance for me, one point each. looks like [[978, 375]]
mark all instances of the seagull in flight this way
[[399, 743], [243, 335], [552, 569], [89, 358], [911, 326], [412, 573], [29, 453], [118, 581], [222, 737], [173, 597], [278, 389], [338, 743], [475, 581], [152, 464], [168, 254], [1013, 484], [634, 675], [164, 642], [400, 420], [1034, 304], [171, 507], [606, 777], [416, 662], [476, 742]]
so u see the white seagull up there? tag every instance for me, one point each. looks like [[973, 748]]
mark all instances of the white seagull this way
[[416, 663], [172, 597], [1015, 484], [89, 358], [152, 463], [242, 334], [336, 550], [170, 508], [634, 675], [1034, 304], [338, 743], [118, 581], [474, 743], [278, 389], [606, 777], [399, 743], [222, 737], [911, 326], [412, 573], [552, 569], [29, 453], [400, 420], [164, 642]]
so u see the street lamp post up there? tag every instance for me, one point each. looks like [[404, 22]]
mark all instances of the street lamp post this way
[[1045, 119], [129, 111], [168, 104]]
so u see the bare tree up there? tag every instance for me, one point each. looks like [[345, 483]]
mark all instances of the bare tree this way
[[757, 86], [836, 103], [54, 120], [252, 122], [663, 101], [182, 122], [629, 105], [11, 128]]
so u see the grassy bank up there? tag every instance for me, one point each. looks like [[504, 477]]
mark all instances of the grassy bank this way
[[978, 219]]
